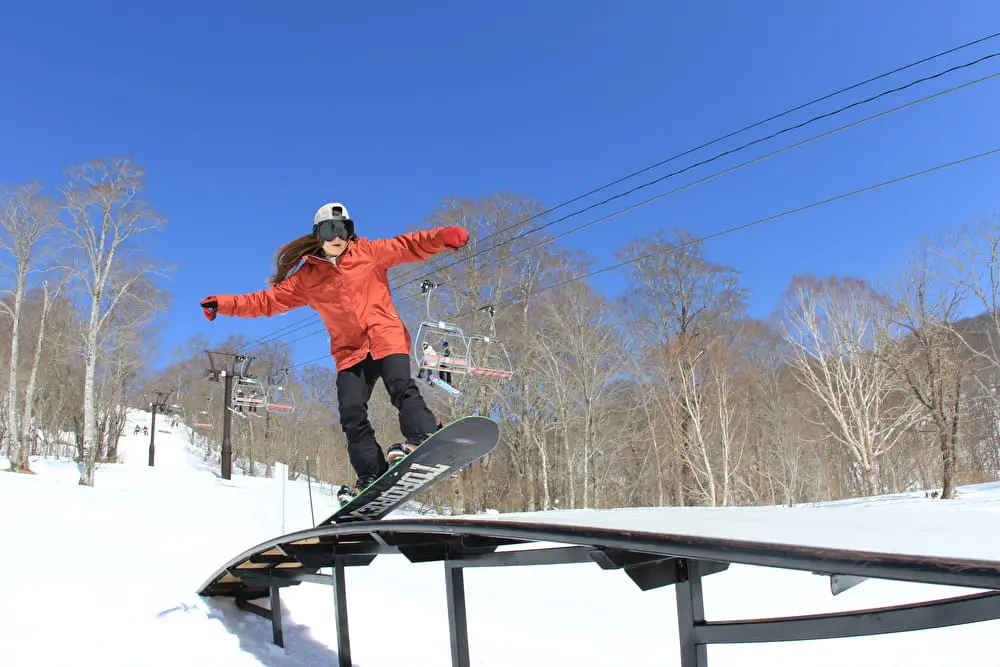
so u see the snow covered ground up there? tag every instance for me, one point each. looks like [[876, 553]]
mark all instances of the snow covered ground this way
[[109, 574]]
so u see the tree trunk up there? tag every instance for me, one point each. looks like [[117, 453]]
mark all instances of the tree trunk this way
[[948, 439], [90, 444], [27, 430], [17, 446]]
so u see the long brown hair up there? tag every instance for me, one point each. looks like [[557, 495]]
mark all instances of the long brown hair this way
[[290, 254]]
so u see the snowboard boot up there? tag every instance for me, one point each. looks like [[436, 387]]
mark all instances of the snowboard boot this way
[[346, 494], [401, 450]]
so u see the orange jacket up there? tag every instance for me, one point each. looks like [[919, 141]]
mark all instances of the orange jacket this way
[[352, 296]]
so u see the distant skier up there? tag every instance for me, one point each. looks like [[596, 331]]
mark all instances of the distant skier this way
[[446, 352], [345, 279], [430, 358]]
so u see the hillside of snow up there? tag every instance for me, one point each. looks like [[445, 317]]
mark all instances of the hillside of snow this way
[[109, 574]]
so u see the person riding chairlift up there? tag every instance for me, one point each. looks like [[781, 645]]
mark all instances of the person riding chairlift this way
[[344, 278]]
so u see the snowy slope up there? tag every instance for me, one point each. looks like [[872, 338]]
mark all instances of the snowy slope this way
[[108, 574]]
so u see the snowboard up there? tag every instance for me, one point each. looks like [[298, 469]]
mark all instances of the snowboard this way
[[444, 453]]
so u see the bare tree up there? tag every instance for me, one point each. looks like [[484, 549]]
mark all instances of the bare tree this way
[[778, 460], [677, 298], [930, 359], [49, 295], [714, 389], [968, 257], [582, 355], [108, 219], [26, 216], [837, 330]]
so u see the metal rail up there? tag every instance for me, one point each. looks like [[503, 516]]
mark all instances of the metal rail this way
[[651, 560]]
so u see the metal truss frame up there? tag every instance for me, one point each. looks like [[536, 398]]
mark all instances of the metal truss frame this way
[[650, 560]]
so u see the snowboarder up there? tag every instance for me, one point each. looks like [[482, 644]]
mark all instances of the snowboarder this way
[[344, 278]]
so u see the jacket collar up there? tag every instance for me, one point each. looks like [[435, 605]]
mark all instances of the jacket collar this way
[[313, 259]]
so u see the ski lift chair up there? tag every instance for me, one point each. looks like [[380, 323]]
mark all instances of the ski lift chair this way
[[440, 345], [248, 392], [203, 420], [279, 396], [488, 356]]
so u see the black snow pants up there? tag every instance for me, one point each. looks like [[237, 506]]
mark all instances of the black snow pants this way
[[354, 389]]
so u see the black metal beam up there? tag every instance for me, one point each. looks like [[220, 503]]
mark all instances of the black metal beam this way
[[884, 620], [458, 625], [277, 632], [273, 614], [428, 548], [458, 535], [280, 578], [252, 573], [367, 547], [649, 571], [545, 556], [690, 614], [650, 559], [255, 609], [340, 609]]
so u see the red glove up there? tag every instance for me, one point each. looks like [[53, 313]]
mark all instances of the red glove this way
[[454, 237], [210, 306]]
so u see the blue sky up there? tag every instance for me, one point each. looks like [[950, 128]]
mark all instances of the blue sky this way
[[249, 115]]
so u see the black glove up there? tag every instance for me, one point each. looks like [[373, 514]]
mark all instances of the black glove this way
[[209, 306]]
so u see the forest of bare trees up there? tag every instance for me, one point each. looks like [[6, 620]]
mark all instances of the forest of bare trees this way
[[670, 394], [81, 308]]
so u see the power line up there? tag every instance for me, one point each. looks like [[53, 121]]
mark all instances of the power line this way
[[290, 328], [746, 128], [717, 156], [704, 179], [747, 163], [728, 230], [745, 225], [309, 319]]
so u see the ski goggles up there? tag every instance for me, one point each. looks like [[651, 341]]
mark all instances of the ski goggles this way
[[333, 228]]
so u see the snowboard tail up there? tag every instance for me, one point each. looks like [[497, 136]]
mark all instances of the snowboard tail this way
[[445, 452]]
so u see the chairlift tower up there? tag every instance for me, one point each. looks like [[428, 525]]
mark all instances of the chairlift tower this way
[[233, 366], [159, 402]]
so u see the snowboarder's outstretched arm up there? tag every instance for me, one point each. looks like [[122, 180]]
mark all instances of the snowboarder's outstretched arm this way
[[418, 246], [280, 298]]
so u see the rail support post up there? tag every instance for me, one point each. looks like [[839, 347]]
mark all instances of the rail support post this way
[[458, 625], [277, 632], [690, 613], [340, 608]]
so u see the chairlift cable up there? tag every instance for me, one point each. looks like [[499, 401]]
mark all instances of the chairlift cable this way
[[729, 230], [742, 165], [732, 151], [746, 225], [717, 174], [308, 320], [754, 125]]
